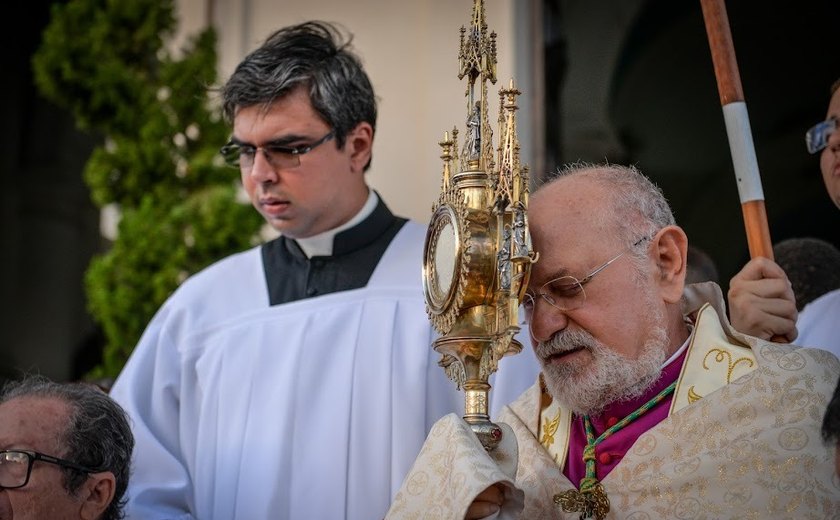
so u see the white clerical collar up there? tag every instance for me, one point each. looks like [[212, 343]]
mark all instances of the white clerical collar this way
[[322, 243], [684, 346]]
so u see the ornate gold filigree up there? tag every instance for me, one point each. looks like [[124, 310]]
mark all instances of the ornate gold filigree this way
[[592, 503], [478, 249], [443, 314], [549, 428]]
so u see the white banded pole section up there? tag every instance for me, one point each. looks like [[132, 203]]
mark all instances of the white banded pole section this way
[[737, 128]]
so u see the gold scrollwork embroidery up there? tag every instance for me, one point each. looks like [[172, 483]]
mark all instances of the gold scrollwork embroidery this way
[[693, 395], [720, 356], [549, 430]]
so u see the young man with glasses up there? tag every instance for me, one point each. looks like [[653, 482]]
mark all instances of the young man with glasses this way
[[760, 292], [650, 404], [296, 379], [65, 452]]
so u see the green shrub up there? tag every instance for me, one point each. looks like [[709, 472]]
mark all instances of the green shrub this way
[[158, 161]]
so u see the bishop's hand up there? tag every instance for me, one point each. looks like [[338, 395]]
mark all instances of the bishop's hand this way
[[487, 503]]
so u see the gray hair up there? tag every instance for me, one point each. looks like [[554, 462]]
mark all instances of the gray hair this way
[[636, 208], [312, 55], [97, 435]]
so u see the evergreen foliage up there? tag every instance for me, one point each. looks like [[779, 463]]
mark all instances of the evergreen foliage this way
[[107, 62]]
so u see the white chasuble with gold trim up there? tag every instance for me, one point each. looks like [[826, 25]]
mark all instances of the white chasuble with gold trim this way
[[742, 441]]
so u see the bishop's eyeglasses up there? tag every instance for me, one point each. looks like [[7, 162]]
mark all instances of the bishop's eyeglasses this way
[[16, 467], [242, 156], [566, 293]]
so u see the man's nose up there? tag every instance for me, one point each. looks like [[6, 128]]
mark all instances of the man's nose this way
[[546, 320], [834, 140], [262, 169]]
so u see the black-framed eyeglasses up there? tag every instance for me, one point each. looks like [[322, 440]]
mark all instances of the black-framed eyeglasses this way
[[16, 466], [566, 293], [816, 138], [242, 156]]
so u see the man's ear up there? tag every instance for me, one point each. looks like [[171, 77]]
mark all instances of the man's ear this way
[[96, 494], [670, 246], [360, 146]]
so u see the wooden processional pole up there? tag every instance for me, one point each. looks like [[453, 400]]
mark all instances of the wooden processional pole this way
[[737, 128]]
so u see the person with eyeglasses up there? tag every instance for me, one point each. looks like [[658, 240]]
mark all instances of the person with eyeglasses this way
[[823, 138], [65, 452], [296, 379], [760, 292], [649, 404]]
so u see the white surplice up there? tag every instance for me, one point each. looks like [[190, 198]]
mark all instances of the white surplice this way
[[819, 323], [311, 409]]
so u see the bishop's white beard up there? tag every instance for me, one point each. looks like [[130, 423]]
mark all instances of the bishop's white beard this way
[[588, 386]]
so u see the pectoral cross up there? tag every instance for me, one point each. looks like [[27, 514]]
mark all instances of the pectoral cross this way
[[592, 503]]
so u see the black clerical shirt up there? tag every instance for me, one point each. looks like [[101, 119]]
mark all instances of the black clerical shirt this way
[[291, 276]]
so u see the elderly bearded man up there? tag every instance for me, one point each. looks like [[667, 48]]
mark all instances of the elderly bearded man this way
[[649, 404]]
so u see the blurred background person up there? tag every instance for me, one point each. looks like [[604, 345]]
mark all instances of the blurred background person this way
[[812, 265], [700, 267]]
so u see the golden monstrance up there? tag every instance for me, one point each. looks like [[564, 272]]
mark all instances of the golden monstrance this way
[[478, 254]]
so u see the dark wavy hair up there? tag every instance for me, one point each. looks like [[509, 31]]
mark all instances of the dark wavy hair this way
[[812, 266], [315, 56], [97, 434]]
